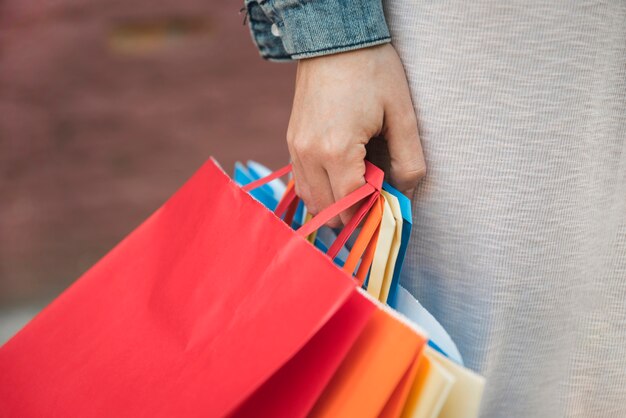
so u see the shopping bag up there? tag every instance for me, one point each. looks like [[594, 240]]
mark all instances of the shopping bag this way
[[386, 234], [258, 171], [429, 391], [188, 316], [394, 206], [264, 194], [399, 397], [407, 224], [443, 389], [390, 393], [398, 297], [374, 367], [269, 194], [465, 395], [433, 384], [440, 340], [293, 390]]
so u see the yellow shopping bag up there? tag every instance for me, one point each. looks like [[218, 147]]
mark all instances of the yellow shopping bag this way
[[396, 239], [429, 391]]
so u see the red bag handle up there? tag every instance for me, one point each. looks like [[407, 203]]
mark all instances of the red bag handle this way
[[273, 176], [287, 201], [347, 231], [371, 189]]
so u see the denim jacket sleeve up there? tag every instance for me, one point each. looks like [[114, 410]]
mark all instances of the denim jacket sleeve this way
[[285, 30]]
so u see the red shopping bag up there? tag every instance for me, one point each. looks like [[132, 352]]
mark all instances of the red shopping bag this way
[[294, 389], [190, 315]]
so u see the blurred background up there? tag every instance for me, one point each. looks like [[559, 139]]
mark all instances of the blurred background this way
[[106, 108]]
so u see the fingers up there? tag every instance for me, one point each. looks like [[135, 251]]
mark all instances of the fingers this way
[[340, 102], [346, 175], [311, 179], [408, 166]]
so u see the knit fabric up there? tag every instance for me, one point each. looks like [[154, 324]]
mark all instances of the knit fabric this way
[[519, 242]]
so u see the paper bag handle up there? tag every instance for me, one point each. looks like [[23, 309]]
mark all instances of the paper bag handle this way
[[363, 248], [370, 190]]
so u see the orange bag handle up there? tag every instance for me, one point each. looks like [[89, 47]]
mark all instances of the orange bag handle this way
[[368, 257], [365, 243]]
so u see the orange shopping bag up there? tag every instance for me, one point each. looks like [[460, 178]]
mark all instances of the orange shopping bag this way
[[385, 352]]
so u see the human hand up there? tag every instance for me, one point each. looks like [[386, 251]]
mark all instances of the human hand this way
[[341, 101]]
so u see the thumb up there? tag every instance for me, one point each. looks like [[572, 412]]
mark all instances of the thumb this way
[[408, 166]]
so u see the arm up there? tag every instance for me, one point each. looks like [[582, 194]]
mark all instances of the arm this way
[[350, 87]]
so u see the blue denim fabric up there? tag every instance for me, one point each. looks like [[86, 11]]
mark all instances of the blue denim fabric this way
[[285, 30]]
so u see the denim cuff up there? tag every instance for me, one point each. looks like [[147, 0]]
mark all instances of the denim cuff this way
[[285, 30]]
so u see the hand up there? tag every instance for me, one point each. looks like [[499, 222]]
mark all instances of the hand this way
[[341, 101]]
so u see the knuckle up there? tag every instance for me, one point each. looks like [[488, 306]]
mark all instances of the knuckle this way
[[419, 173], [409, 117], [291, 136], [408, 175], [308, 201], [334, 147], [361, 153], [302, 145], [327, 149], [298, 190], [310, 207], [303, 193]]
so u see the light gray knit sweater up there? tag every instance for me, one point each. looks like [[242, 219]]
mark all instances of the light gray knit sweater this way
[[519, 243]]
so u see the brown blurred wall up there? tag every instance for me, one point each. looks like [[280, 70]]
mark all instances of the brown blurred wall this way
[[106, 107]]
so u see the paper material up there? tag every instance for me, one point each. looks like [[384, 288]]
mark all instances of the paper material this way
[[263, 194], [395, 244], [294, 388], [381, 253], [187, 316], [313, 235], [407, 225], [301, 214], [410, 307], [258, 171], [398, 399], [325, 238], [429, 391], [466, 393], [270, 196], [375, 365]]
